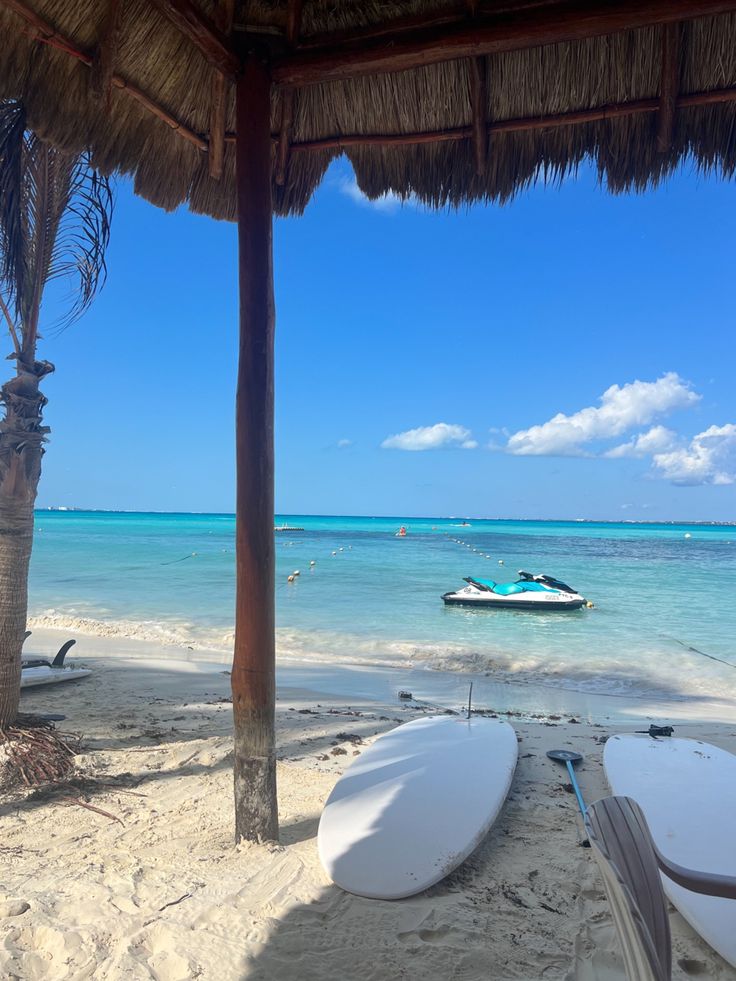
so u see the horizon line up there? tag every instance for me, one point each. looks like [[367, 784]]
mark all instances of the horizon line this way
[[69, 509]]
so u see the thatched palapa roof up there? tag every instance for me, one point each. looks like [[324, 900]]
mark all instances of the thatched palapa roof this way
[[448, 101]]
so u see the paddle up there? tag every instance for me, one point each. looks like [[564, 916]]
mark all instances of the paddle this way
[[567, 757]]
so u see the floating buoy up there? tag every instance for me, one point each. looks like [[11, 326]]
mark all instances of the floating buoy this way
[[334, 553], [296, 573], [341, 549], [290, 579], [500, 561], [688, 535], [313, 562]]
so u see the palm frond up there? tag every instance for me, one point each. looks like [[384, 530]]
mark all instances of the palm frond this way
[[13, 251], [54, 223], [83, 234]]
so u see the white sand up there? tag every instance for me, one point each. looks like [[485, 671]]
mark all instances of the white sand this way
[[164, 894]]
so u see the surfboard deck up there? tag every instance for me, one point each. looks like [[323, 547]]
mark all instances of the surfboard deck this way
[[34, 677], [687, 791], [415, 804]]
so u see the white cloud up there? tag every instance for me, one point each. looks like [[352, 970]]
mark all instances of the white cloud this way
[[387, 203], [709, 458], [658, 439], [431, 438], [344, 443], [622, 408]]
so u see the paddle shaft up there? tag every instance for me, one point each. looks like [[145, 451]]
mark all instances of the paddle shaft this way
[[575, 787]]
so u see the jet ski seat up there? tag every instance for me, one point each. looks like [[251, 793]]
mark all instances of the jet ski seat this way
[[508, 588]]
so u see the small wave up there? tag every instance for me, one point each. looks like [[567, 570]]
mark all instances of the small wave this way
[[168, 633], [648, 675], [643, 674]]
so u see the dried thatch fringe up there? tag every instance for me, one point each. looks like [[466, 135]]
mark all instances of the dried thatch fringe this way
[[542, 81]]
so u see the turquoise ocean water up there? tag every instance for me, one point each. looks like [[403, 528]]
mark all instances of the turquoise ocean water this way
[[374, 599]]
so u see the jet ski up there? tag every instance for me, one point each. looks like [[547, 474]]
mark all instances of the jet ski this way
[[36, 670], [529, 592]]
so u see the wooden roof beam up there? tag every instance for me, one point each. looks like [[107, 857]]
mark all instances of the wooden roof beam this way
[[284, 144], [494, 33], [103, 64], [670, 86], [46, 33], [479, 101], [520, 124], [224, 14], [294, 21], [455, 12], [204, 34], [293, 28]]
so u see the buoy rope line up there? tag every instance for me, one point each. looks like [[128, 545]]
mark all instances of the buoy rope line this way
[[695, 650]]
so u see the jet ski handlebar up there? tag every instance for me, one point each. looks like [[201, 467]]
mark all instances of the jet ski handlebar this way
[[547, 580]]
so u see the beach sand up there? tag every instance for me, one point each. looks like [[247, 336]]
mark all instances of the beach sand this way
[[162, 892]]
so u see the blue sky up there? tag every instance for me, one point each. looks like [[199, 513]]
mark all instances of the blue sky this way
[[421, 359]]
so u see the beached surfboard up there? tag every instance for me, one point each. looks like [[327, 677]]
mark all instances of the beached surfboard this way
[[32, 677], [416, 804], [687, 791]]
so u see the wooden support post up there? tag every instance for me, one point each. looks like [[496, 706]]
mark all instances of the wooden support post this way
[[253, 674], [479, 99], [670, 86]]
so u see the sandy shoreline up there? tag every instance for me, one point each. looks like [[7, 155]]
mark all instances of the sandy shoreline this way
[[162, 893], [378, 683]]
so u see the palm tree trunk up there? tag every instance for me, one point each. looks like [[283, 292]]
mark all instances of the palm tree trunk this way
[[21, 448]]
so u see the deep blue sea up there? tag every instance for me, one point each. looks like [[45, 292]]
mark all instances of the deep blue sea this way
[[664, 594]]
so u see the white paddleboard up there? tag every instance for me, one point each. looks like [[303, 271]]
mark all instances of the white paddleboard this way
[[687, 790], [416, 804], [32, 677]]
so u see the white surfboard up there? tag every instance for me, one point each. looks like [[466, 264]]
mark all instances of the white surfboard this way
[[416, 804], [687, 790], [32, 677]]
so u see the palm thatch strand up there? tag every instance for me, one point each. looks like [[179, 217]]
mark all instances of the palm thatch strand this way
[[620, 100]]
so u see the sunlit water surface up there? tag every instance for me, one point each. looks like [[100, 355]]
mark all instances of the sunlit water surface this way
[[663, 594]]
